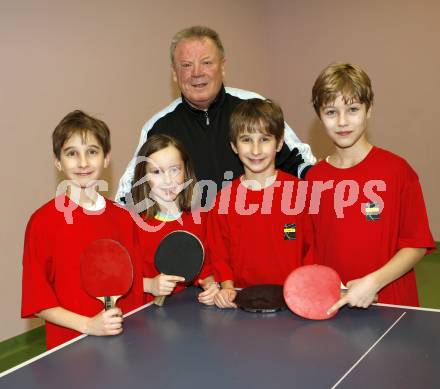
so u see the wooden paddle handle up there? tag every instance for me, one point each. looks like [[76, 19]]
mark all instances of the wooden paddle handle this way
[[159, 300], [109, 301]]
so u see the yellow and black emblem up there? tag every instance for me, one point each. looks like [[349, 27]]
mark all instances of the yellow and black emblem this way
[[372, 211], [289, 231]]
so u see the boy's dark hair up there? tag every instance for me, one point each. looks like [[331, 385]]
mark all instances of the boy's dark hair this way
[[79, 122], [141, 192], [342, 78], [257, 115]]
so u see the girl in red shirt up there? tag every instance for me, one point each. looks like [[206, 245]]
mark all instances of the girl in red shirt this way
[[161, 197]]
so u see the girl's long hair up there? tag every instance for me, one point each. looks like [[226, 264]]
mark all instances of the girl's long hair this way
[[141, 192]]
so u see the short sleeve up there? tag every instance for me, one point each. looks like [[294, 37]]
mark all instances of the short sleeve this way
[[414, 226], [38, 272]]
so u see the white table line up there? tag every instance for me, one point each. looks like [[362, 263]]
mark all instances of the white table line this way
[[46, 353], [407, 307], [365, 354]]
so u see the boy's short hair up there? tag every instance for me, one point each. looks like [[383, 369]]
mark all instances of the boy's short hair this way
[[342, 78], [257, 115], [79, 122]]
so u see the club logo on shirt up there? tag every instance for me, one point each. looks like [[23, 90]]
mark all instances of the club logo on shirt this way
[[372, 211], [289, 231]]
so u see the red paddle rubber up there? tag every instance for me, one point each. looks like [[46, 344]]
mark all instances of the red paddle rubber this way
[[311, 290]]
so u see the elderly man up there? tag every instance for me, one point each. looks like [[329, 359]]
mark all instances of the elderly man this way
[[200, 118]]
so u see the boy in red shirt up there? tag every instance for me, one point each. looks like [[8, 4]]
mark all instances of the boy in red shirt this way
[[254, 236], [369, 215], [59, 231]]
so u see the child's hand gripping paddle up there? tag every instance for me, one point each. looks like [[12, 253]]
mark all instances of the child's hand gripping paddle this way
[[179, 253], [311, 290], [106, 271], [266, 298]]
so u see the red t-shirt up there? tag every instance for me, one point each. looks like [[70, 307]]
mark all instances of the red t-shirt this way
[[51, 262], [255, 237], [389, 214], [149, 239]]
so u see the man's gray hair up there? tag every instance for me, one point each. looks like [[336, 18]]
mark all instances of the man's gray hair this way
[[196, 32]]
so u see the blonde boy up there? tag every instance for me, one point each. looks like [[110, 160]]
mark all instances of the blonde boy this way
[[378, 239]]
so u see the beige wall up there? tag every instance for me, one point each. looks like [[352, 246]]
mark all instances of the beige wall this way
[[396, 42], [110, 58]]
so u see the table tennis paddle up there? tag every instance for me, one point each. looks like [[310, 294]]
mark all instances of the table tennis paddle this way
[[179, 253], [106, 271], [311, 290], [266, 298]]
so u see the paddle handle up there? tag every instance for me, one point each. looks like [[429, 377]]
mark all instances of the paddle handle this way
[[159, 300], [108, 301], [344, 291]]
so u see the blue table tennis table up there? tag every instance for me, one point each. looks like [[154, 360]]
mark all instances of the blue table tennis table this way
[[187, 345]]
